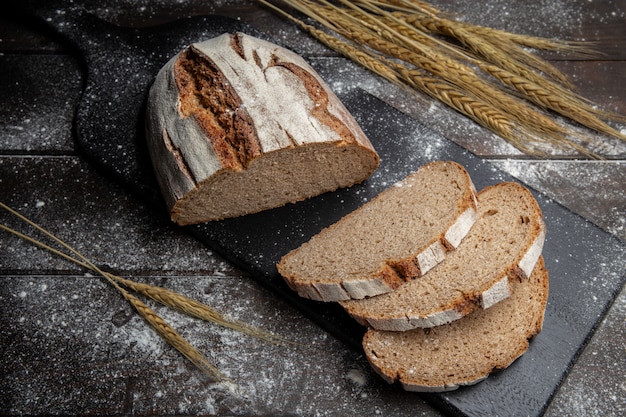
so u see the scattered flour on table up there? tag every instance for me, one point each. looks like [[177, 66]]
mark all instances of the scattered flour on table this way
[[357, 377]]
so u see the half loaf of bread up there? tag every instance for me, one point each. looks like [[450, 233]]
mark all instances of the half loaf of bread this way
[[466, 351], [504, 244], [394, 238], [237, 125]]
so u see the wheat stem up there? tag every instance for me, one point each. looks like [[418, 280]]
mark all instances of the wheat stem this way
[[493, 49], [506, 62], [385, 39], [554, 98], [157, 323], [162, 295]]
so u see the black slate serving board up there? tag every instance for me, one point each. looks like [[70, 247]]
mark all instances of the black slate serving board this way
[[586, 264]]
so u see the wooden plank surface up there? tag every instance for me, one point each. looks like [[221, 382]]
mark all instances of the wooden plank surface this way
[[71, 345]]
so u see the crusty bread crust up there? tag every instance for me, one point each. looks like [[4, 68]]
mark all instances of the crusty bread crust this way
[[468, 279], [466, 351], [383, 272], [236, 125]]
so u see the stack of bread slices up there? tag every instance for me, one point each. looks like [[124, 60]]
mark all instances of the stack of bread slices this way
[[450, 282]]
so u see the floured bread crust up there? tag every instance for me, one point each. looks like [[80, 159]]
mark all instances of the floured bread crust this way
[[236, 125]]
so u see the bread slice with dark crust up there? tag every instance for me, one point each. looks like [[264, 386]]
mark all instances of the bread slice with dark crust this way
[[466, 351], [394, 238], [504, 244]]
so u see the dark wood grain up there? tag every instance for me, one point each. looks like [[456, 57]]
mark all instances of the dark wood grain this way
[[71, 345]]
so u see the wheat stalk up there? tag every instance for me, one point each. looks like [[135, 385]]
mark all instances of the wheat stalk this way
[[169, 334], [166, 297], [193, 308], [496, 49], [526, 73], [491, 46], [387, 39], [507, 125], [493, 76]]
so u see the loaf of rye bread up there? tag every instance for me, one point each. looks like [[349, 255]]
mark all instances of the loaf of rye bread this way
[[502, 246], [394, 238], [466, 351], [236, 125]]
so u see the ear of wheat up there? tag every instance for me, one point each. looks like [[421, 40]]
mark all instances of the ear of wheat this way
[[483, 73], [164, 296]]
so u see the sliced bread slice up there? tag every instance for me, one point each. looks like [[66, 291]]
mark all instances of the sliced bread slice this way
[[466, 351], [505, 242], [397, 236]]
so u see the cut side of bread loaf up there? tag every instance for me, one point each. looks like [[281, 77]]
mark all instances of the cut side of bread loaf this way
[[236, 125], [466, 351], [394, 238], [504, 244]]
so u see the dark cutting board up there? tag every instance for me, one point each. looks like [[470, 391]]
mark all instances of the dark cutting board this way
[[586, 264]]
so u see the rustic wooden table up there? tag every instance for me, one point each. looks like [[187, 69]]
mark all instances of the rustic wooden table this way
[[71, 345]]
